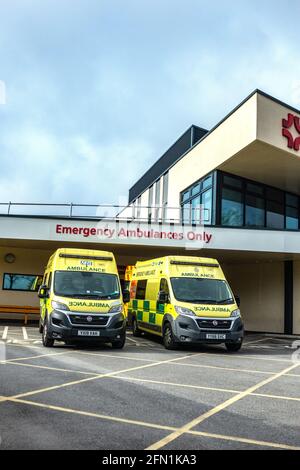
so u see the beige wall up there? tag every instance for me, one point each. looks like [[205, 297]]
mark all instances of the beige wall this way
[[234, 134], [261, 289], [297, 297], [28, 261], [269, 123]]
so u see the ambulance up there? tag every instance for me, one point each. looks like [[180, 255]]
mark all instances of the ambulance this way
[[127, 280], [185, 300], [81, 299]]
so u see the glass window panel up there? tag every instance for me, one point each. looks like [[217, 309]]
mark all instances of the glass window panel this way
[[186, 213], [22, 282], [185, 196], [292, 200], [206, 202], [196, 189], [255, 188], [291, 220], [275, 195], [196, 208], [231, 181], [141, 290], [255, 211], [232, 208], [275, 217], [207, 182]]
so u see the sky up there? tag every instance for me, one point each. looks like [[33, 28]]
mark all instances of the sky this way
[[93, 92]]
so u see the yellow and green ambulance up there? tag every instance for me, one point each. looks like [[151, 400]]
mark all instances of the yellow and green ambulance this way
[[81, 298], [185, 299]]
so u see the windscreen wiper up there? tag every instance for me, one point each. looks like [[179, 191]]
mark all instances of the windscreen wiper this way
[[226, 301]]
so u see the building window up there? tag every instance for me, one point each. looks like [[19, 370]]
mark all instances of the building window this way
[[186, 213], [291, 212], [196, 202], [232, 181], [206, 201], [255, 211], [232, 207], [22, 282], [196, 208], [275, 208]]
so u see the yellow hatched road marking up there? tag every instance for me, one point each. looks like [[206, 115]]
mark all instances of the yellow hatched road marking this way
[[230, 369], [244, 440], [195, 422], [58, 369], [253, 342], [114, 357], [159, 382], [31, 357], [153, 425], [242, 356], [96, 376]]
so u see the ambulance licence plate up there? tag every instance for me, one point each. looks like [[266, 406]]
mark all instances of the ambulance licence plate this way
[[88, 333], [215, 336]]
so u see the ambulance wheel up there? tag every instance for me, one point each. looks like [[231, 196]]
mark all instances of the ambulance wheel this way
[[40, 326], [233, 347], [135, 329], [119, 344], [168, 337], [47, 342]]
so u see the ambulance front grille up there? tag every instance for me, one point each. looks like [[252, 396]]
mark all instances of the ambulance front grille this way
[[88, 320], [214, 324]]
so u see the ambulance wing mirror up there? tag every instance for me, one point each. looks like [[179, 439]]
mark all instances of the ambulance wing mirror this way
[[126, 296], [238, 300], [163, 297], [43, 292]]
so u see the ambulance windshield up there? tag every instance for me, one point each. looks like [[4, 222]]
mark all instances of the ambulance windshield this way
[[201, 291], [88, 285]]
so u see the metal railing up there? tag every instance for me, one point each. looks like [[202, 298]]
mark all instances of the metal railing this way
[[165, 214]]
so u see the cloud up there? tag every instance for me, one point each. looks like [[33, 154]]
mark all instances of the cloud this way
[[73, 169], [96, 91]]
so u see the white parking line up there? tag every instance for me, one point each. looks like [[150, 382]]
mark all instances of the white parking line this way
[[25, 335], [5, 331]]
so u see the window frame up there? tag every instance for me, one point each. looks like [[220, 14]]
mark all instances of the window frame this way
[[245, 181], [189, 200], [20, 274]]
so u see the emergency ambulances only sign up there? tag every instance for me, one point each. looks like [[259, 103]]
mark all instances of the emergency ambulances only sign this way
[[136, 233]]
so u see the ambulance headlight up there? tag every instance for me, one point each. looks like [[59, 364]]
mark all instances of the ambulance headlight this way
[[116, 309], [59, 305], [236, 313], [184, 311]]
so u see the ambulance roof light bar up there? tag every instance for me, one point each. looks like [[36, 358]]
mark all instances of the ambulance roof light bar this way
[[98, 258], [194, 263]]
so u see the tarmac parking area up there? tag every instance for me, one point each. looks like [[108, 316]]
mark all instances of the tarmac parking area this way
[[145, 397]]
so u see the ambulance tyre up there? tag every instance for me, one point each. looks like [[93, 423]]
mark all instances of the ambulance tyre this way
[[168, 337], [135, 329], [119, 344], [233, 347], [47, 342], [40, 326]]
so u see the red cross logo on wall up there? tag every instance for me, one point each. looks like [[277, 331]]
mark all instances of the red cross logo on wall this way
[[292, 122]]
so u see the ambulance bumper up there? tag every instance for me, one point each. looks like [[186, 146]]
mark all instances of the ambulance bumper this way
[[208, 330], [77, 326]]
